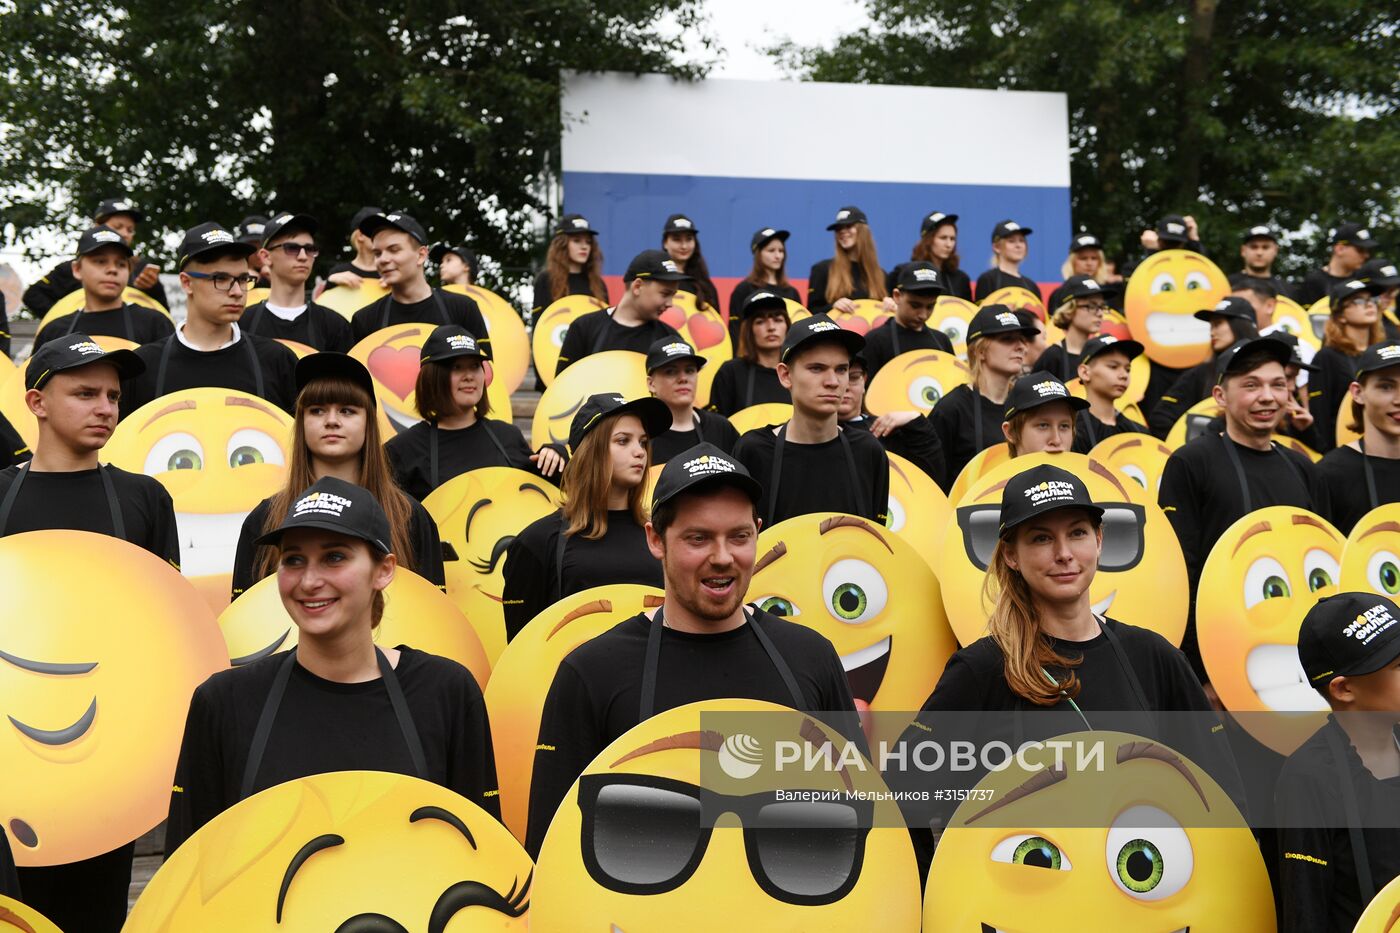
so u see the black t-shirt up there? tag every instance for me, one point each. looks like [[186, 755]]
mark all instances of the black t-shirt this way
[[1326, 388], [1089, 430], [317, 327], [325, 726], [438, 308], [596, 694], [712, 429], [891, 339], [1344, 475], [817, 281], [459, 450], [136, 323], [578, 285], [596, 331], [1159, 385], [956, 421], [916, 442], [994, 280], [229, 367], [955, 281], [78, 501], [1058, 362], [348, 267], [1192, 386], [731, 392], [817, 477], [1316, 284], [13, 449]]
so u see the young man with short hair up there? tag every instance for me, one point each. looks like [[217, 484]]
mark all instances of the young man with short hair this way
[[209, 348], [400, 254], [634, 323], [1365, 474], [1262, 296], [253, 230], [102, 269], [361, 266], [456, 264], [702, 643], [811, 464], [1258, 252], [1231, 320], [288, 251], [904, 433], [1010, 248], [122, 216], [673, 372], [1104, 370], [1351, 246], [916, 291]]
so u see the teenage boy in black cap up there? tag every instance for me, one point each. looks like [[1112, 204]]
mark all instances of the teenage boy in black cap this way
[[810, 464], [1258, 252], [702, 643], [1231, 320], [72, 387], [1365, 474], [905, 433], [400, 255], [1352, 245], [209, 348], [1104, 372], [1338, 795], [1216, 479], [456, 265], [122, 216], [634, 323], [1010, 246], [673, 371], [289, 252], [361, 266], [253, 230], [102, 269], [916, 291]]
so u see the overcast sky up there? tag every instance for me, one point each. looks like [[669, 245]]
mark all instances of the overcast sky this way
[[742, 27]]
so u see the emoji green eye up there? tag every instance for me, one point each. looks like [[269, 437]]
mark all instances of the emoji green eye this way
[[1139, 866], [778, 606], [1032, 851], [1148, 853]]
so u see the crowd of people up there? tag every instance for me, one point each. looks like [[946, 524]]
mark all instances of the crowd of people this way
[[338, 701]]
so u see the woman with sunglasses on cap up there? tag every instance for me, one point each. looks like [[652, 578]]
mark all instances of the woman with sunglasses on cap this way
[[852, 273], [1080, 316], [751, 377], [572, 266], [769, 274], [680, 238], [673, 371], [599, 535], [336, 433], [1354, 325], [938, 244], [337, 701], [456, 435]]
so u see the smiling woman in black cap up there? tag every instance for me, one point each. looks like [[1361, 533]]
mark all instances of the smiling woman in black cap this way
[[853, 272], [1009, 249], [335, 702], [598, 536], [680, 238], [572, 266], [769, 274], [336, 434], [673, 370], [751, 377]]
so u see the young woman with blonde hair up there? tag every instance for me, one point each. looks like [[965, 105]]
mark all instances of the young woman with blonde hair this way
[[853, 272]]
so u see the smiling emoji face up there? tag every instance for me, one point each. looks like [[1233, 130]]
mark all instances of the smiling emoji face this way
[[96, 673], [915, 381], [1262, 576], [479, 513], [1153, 845], [350, 850], [1141, 578], [868, 315], [391, 355], [1371, 558], [1165, 290], [1140, 457], [623, 372], [632, 847], [550, 328]]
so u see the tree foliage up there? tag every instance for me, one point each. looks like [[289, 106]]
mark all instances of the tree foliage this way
[[1278, 111]]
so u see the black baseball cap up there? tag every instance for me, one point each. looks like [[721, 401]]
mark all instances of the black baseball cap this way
[[1172, 229], [329, 365], [1293, 341], [761, 238], [574, 223], [991, 320], [932, 221], [703, 466], [288, 222], [760, 300], [921, 277], [1259, 232], [655, 266], [208, 239], [1083, 286], [73, 350], [251, 229], [396, 220], [1006, 228], [440, 251], [96, 238], [1084, 241], [679, 223], [1341, 292], [110, 207], [816, 328], [363, 214], [332, 504], [449, 341], [654, 415], [1105, 342], [848, 215], [1035, 389], [1381, 355], [1231, 306], [1348, 634], [669, 350], [1040, 490], [1227, 363], [1357, 235], [1380, 272]]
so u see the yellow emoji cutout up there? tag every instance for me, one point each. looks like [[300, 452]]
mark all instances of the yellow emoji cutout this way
[[219, 452], [345, 851], [760, 415], [416, 613], [1141, 578], [1344, 434], [1371, 557], [253, 295], [1260, 579], [796, 310], [1017, 299], [515, 696], [1140, 457], [73, 301], [346, 301], [620, 371], [1165, 290], [868, 315], [479, 513], [101, 646], [1139, 839], [550, 327], [918, 509], [915, 381], [1318, 313], [510, 344], [982, 463], [633, 850], [1139, 374], [952, 316], [1290, 318], [1382, 915], [21, 918]]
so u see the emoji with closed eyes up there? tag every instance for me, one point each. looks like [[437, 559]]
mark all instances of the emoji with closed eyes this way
[[620, 371]]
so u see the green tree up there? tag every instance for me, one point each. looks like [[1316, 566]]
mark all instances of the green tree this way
[[1278, 111], [217, 109]]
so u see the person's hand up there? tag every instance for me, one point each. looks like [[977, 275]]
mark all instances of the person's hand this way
[[347, 279], [888, 424], [1149, 239], [1298, 416], [844, 305], [548, 461], [890, 305], [147, 277], [1192, 231]]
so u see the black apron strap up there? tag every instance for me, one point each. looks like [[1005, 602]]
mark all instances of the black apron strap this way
[[164, 363], [1088, 418], [385, 304], [1366, 468], [73, 324], [1239, 472], [893, 325], [558, 561], [1359, 854], [11, 494], [114, 505], [313, 330], [860, 492], [442, 309], [976, 419], [495, 442], [432, 455], [1138, 693], [247, 342], [776, 475], [602, 336], [255, 317], [748, 392], [785, 672], [265, 721], [401, 713]]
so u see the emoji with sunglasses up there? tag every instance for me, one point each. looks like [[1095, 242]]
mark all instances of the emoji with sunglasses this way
[[682, 817], [621, 371], [1146, 841], [362, 851], [1141, 577], [96, 672], [1161, 299], [915, 381], [1371, 558], [1262, 576], [478, 514], [21, 918]]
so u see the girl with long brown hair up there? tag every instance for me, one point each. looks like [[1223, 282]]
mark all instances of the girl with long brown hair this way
[[680, 239], [1354, 325], [938, 244], [853, 272], [598, 536], [751, 377], [336, 434], [769, 274], [572, 266]]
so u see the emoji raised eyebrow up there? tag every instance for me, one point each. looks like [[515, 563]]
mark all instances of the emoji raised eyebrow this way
[[46, 667], [1256, 528], [443, 816], [247, 403], [587, 609], [850, 521], [704, 741], [305, 852], [471, 514], [1151, 751], [1383, 526], [1316, 523], [774, 552], [1134, 442], [1106, 473], [1037, 782], [997, 488], [15, 920], [168, 409]]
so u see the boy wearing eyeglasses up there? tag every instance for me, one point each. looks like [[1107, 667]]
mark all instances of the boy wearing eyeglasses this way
[[288, 252], [102, 268], [209, 348]]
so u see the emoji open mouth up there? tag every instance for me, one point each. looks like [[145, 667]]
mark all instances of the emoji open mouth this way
[[988, 928], [23, 833], [865, 670], [208, 542], [263, 652], [1101, 607], [1176, 330], [1276, 676]]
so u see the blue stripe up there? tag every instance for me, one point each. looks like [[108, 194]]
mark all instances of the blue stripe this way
[[631, 209]]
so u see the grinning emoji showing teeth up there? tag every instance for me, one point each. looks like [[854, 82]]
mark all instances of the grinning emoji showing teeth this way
[[1165, 290]]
